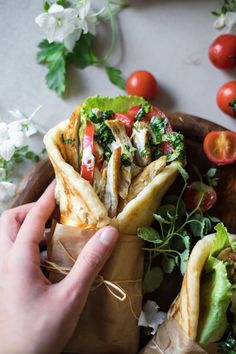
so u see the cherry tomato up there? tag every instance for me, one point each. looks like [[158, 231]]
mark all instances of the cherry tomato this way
[[128, 121], [220, 147], [88, 160], [199, 192], [142, 83], [222, 51], [226, 98]]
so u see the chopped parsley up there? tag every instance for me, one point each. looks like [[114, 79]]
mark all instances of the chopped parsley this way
[[104, 137], [177, 142], [158, 126], [143, 110], [99, 119], [125, 160], [67, 140]]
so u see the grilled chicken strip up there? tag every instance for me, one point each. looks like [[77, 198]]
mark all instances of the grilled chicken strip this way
[[111, 196], [124, 181], [140, 139], [119, 132], [145, 177]]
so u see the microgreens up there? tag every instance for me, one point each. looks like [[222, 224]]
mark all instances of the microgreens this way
[[171, 237], [70, 30]]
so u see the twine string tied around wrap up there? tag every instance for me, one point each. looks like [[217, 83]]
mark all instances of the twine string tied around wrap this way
[[114, 289]]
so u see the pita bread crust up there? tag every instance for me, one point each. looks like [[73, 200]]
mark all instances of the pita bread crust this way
[[79, 204], [139, 211], [186, 307]]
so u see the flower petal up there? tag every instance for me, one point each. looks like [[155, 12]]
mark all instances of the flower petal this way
[[7, 191], [219, 22], [230, 22], [15, 126], [17, 114], [18, 139], [55, 8], [7, 150], [71, 39], [3, 132]]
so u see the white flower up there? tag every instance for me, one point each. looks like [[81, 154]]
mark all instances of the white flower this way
[[71, 39], [227, 21], [57, 23], [10, 138], [87, 18], [26, 124], [230, 22], [151, 317], [219, 23], [7, 191]]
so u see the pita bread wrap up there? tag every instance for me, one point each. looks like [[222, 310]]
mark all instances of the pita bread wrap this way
[[201, 310], [108, 323]]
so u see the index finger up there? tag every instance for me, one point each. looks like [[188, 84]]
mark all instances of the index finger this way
[[32, 229]]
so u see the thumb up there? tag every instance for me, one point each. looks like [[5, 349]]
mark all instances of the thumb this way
[[90, 261]]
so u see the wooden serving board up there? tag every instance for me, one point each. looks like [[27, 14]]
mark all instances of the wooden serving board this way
[[194, 130]]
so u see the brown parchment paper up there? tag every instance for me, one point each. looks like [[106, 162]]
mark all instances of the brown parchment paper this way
[[106, 325], [171, 339]]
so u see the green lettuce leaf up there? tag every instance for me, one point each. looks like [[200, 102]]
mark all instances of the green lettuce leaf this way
[[215, 299], [216, 290], [117, 104], [222, 239]]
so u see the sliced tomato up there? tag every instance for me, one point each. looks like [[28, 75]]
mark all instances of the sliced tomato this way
[[128, 121], [88, 159], [220, 147], [133, 111]]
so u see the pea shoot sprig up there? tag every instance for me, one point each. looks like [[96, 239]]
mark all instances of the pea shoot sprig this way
[[171, 238]]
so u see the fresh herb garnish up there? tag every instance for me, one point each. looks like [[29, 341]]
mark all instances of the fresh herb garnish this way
[[125, 160], [158, 126], [177, 142], [170, 239], [104, 137], [67, 140], [99, 119], [143, 110]]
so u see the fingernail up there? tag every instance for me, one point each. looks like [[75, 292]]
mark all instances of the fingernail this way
[[108, 236]]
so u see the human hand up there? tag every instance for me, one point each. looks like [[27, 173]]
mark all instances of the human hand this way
[[37, 317]]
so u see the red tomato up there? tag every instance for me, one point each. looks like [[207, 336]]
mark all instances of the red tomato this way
[[128, 121], [226, 98], [88, 160], [199, 192], [220, 147], [222, 51], [141, 83]]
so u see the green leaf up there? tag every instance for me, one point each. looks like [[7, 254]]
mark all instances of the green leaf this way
[[46, 6], [183, 173], [167, 264], [152, 280], [200, 225], [148, 233], [115, 76], [214, 219], [221, 239], [160, 219], [211, 172], [83, 54], [55, 56], [30, 155], [174, 200], [183, 260], [215, 299]]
